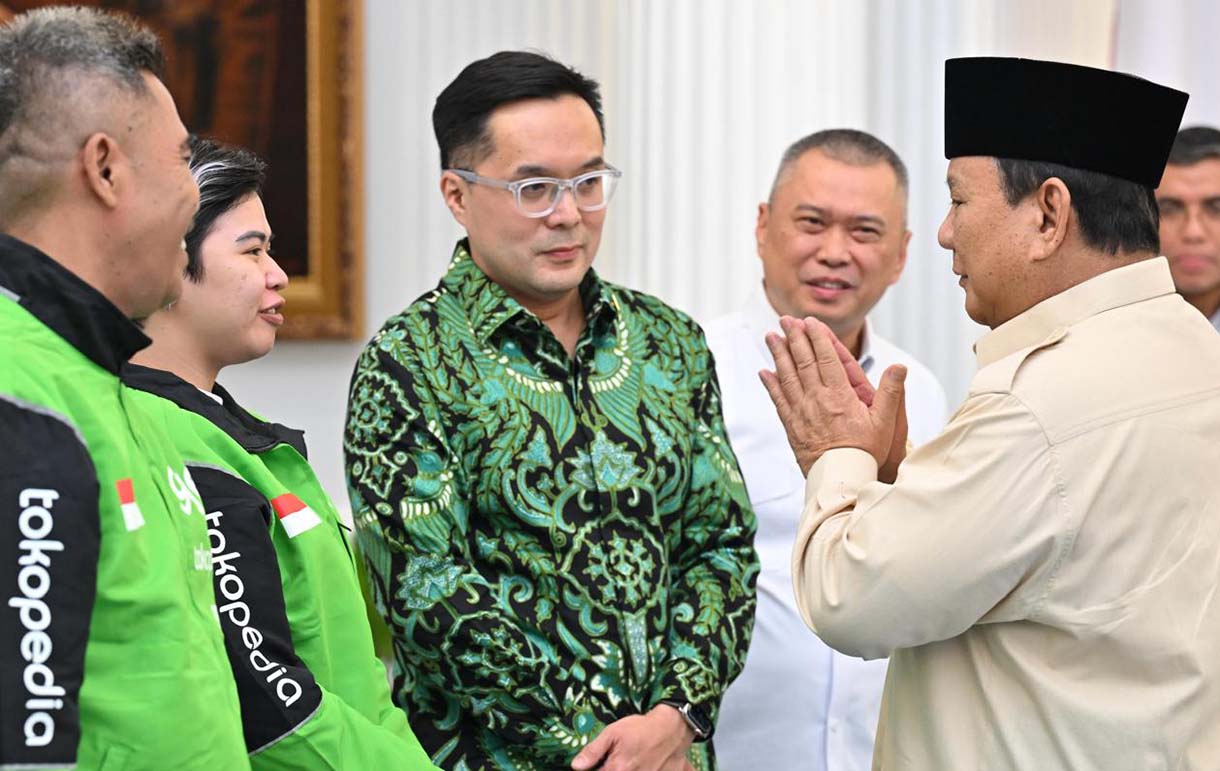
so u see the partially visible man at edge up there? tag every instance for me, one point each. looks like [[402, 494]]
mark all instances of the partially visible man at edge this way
[[554, 524], [1189, 200], [1042, 574], [110, 652]]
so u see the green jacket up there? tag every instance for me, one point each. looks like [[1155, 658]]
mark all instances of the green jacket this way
[[110, 654], [314, 695]]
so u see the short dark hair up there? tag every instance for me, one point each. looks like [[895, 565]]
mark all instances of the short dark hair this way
[[1114, 214], [460, 115], [1194, 144], [226, 176], [47, 57], [858, 148]]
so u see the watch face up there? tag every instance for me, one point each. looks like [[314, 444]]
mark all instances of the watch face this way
[[703, 725], [698, 723]]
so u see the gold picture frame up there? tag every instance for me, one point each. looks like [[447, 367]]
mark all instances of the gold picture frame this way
[[327, 301], [283, 78]]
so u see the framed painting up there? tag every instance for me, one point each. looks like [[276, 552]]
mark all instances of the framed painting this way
[[282, 78]]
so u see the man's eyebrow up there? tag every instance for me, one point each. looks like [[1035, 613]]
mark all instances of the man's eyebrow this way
[[534, 170], [869, 219], [811, 208]]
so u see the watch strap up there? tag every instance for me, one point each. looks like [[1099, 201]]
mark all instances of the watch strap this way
[[698, 722]]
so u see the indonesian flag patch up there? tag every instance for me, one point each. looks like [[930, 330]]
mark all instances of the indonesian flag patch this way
[[127, 501], [294, 515]]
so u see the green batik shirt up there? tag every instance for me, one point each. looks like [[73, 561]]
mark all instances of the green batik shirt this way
[[555, 542]]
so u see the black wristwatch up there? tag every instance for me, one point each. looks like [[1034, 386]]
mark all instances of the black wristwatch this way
[[698, 722]]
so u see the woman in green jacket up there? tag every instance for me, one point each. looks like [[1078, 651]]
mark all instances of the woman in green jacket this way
[[313, 693]]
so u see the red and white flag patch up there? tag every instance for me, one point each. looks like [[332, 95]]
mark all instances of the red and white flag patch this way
[[294, 515], [132, 517]]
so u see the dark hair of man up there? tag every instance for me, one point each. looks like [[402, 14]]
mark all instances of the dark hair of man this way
[[460, 115], [856, 148], [51, 61], [1115, 215], [1194, 144], [226, 176]]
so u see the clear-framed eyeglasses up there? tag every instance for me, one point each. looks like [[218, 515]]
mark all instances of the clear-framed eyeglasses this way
[[538, 196]]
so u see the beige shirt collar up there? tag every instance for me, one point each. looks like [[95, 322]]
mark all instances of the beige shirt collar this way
[[1129, 284]]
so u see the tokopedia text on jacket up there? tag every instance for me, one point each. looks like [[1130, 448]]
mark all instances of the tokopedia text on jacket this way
[[313, 693], [110, 653]]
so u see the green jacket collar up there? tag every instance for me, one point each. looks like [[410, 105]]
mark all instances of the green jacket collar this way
[[71, 308], [252, 434]]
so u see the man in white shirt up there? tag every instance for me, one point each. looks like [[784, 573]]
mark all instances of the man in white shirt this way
[[832, 238], [1189, 200], [1043, 574]]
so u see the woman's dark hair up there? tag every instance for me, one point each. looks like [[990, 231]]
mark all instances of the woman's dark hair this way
[[226, 176]]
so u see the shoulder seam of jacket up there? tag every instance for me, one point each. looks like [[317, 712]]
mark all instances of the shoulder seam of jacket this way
[[47, 411]]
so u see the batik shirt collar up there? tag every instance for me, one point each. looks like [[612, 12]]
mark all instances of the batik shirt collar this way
[[489, 307]]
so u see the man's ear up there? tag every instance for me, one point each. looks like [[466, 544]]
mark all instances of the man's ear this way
[[454, 190], [104, 167], [760, 227], [1054, 202]]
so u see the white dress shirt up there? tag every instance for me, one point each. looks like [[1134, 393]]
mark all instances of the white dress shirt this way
[[797, 704], [1216, 320], [1045, 574]]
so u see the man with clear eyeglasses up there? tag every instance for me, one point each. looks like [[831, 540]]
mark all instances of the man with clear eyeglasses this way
[[554, 524]]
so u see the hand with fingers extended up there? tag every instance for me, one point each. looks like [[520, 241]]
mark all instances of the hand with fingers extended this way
[[888, 471], [824, 400], [655, 741]]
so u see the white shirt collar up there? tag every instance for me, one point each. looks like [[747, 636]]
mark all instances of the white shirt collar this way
[[762, 318]]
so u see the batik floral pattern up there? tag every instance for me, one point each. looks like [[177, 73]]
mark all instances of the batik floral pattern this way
[[555, 542]]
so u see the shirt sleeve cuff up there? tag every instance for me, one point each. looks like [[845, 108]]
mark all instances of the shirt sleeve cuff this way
[[839, 474]]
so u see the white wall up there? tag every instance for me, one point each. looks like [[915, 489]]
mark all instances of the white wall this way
[[1174, 43], [701, 98]]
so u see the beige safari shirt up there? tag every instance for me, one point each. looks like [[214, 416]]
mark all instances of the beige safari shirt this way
[[1045, 574]]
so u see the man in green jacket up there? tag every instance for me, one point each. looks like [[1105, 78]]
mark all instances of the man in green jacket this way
[[110, 652], [313, 693]]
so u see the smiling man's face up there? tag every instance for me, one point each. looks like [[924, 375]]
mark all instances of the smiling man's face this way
[[832, 239]]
